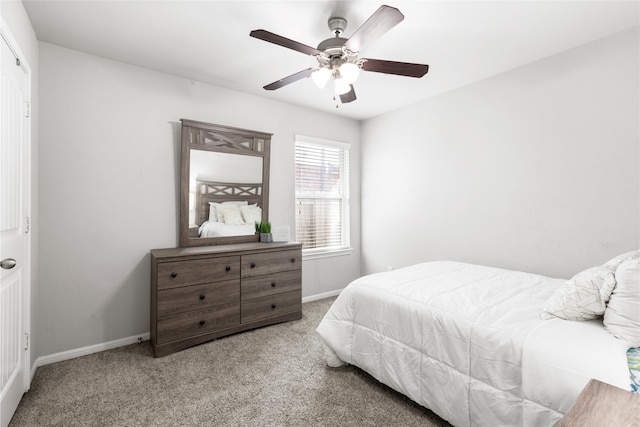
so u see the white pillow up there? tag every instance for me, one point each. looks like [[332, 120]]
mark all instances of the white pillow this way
[[231, 215], [616, 261], [622, 316], [583, 297], [251, 214], [215, 209]]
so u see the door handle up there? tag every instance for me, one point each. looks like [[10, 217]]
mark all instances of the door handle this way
[[8, 263]]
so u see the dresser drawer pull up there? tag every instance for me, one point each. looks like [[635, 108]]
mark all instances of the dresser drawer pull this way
[[202, 322], [273, 284], [228, 268], [293, 259], [253, 265], [174, 274], [201, 297], [273, 306]]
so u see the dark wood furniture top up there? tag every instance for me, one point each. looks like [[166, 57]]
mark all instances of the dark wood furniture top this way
[[602, 405]]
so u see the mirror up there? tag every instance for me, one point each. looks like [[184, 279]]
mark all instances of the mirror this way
[[224, 183]]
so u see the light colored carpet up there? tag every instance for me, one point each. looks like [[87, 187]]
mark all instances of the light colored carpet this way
[[273, 376]]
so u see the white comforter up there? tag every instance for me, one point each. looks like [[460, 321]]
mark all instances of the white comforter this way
[[467, 342], [220, 229]]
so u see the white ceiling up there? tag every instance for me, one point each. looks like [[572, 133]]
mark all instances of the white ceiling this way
[[462, 41]]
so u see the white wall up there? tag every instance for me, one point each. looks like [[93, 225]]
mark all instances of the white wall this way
[[109, 187], [17, 21], [536, 169]]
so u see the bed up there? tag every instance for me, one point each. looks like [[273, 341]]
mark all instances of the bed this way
[[224, 209], [483, 346]]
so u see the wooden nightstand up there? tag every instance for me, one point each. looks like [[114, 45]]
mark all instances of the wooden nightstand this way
[[602, 405]]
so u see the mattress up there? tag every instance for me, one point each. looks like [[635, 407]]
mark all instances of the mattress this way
[[467, 342]]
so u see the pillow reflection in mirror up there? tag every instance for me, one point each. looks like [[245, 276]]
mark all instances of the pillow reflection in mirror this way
[[251, 214], [215, 209], [231, 215]]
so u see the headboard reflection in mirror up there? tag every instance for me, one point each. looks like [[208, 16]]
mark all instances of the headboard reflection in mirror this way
[[224, 183]]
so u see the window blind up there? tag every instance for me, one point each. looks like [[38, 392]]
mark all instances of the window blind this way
[[321, 196]]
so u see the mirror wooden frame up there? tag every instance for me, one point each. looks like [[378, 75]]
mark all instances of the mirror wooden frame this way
[[223, 139]]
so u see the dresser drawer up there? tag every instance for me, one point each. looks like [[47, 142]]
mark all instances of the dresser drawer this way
[[192, 323], [187, 298], [272, 305], [260, 286], [270, 262], [193, 272]]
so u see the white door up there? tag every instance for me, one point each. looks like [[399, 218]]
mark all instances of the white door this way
[[14, 238]]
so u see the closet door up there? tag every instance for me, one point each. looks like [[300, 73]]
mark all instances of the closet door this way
[[14, 237]]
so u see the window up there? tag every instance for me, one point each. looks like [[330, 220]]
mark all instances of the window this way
[[322, 196]]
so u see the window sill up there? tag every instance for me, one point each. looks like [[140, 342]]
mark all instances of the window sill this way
[[309, 255]]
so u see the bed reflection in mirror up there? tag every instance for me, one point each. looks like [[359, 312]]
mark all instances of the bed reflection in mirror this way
[[225, 194]]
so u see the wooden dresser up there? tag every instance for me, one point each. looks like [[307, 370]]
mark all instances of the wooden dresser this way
[[206, 292]]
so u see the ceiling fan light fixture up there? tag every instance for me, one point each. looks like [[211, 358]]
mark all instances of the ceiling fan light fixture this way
[[341, 87], [349, 72], [321, 76], [338, 56]]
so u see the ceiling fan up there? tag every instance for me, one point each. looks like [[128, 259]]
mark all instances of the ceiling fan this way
[[338, 57]]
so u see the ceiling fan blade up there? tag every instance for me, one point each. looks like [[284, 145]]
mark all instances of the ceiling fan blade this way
[[349, 96], [382, 20], [289, 79], [392, 67], [285, 42]]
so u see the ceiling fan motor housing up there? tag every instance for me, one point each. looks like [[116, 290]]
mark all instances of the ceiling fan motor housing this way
[[332, 47], [337, 25]]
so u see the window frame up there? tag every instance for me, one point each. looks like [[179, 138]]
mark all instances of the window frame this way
[[345, 247]]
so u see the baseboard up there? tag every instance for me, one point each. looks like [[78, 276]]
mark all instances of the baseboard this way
[[84, 351], [321, 296]]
